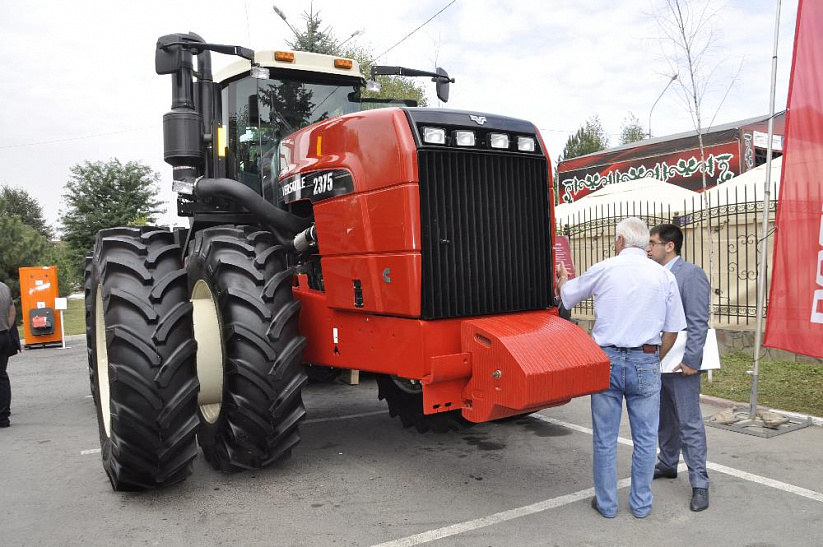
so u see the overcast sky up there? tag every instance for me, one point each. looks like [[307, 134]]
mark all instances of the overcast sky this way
[[78, 78]]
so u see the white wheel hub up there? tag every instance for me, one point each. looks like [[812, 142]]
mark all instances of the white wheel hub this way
[[207, 333]]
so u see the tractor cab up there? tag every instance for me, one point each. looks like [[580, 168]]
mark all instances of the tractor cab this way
[[283, 92]]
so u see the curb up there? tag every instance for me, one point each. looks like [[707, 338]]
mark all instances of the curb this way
[[717, 401]]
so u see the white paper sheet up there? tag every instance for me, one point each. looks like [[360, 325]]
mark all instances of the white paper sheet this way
[[711, 354]]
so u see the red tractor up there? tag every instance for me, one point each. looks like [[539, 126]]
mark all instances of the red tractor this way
[[408, 242]]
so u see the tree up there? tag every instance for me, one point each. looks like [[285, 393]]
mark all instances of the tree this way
[[313, 39], [688, 34], [391, 87], [21, 245], [323, 41], [104, 195], [69, 280], [19, 203], [631, 130], [589, 138]]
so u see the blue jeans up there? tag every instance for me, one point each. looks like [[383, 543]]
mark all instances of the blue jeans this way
[[636, 376]]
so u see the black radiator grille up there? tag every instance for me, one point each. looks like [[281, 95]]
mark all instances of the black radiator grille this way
[[485, 233]]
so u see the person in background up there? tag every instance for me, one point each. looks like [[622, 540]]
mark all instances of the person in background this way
[[681, 422], [635, 300], [8, 347]]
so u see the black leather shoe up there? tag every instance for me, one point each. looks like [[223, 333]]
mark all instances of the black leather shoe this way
[[665, 473], [700, 499], [4, 424]]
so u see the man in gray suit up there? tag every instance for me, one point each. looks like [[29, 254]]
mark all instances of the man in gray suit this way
[[681, 422]]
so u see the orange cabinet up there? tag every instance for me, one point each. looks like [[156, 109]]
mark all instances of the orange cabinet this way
[[38, 289]]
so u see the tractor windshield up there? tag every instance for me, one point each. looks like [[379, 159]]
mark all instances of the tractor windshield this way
[[260, 113]]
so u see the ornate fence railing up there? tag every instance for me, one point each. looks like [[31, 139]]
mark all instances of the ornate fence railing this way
[[722, 237]]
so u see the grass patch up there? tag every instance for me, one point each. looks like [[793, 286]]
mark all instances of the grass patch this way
[[74, 318], [781, 384]]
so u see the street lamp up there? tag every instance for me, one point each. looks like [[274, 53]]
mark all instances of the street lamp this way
[[357, 32], [673, 78], [282, 15]]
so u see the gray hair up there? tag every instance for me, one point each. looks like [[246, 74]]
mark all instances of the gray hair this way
[[634, 231]]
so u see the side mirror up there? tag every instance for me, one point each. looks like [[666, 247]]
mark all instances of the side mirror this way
[[373, 86], [442, 85], [170, 59]]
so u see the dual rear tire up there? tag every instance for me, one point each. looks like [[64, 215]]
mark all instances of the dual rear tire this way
[[209, 351]]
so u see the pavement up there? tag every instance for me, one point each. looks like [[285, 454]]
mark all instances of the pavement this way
[[359, 479]]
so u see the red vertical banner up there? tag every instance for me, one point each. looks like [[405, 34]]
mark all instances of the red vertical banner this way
[[795, 308]]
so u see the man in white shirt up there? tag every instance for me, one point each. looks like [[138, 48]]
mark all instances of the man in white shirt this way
[[635, 300]]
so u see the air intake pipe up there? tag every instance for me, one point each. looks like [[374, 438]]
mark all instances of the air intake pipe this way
[[283, 225]]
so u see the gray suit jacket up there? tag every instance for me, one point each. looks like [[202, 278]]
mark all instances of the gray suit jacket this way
[[694, 293]]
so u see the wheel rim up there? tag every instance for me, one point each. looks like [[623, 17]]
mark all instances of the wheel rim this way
[[102, 361], [209, 350]]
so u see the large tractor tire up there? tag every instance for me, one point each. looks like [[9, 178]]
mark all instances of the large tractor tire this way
[[142, 351], [249, 347], [405, 400], [89, 294]]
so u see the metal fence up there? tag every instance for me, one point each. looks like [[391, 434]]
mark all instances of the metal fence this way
[[722, 237]]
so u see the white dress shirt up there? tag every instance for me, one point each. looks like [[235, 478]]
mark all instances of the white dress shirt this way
[[668, 265], [635, 299]]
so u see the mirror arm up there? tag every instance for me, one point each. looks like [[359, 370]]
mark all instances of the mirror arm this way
[[402, 71], [198, 47]]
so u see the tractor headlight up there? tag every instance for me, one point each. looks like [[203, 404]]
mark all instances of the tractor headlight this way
[[434, 135], [498, 140], [525, 144], [464, 138]]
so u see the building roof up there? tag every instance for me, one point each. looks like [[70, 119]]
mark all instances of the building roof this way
[[656, 146]]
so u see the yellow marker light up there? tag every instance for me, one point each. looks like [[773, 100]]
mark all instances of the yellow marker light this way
[[221, 141], [319, 146], [284, 56], [343, 63]]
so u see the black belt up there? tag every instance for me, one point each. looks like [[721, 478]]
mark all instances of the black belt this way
[[645, 348]]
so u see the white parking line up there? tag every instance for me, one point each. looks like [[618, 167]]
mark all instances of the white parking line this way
[[92, 451], [811, 494], [461, 527], [346, 417]]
